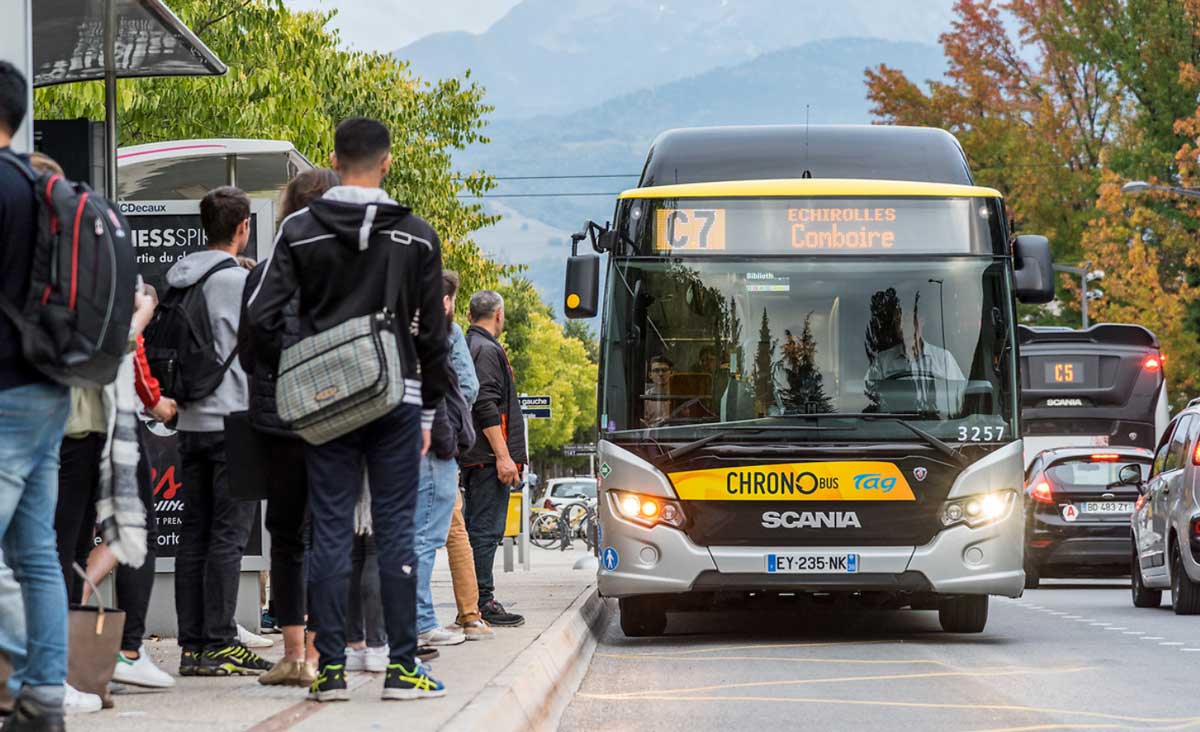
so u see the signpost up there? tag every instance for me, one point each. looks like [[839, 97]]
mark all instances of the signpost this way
[[535, 407], [588, 449]]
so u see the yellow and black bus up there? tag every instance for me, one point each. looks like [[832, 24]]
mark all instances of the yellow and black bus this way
[[809, 374]]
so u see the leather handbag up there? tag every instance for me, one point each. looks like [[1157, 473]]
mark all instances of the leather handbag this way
[[94, 639], [343, 378]]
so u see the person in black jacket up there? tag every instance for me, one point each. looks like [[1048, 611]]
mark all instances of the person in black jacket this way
[[494, 464], [339, 254], [287, 504]]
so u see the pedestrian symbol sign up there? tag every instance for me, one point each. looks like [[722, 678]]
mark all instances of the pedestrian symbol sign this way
[[609, 558]]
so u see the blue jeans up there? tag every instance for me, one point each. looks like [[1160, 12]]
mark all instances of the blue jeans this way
[[391, 448], [435, 504], [32, 419]]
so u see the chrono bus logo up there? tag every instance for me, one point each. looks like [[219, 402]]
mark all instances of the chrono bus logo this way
[[849, 480]]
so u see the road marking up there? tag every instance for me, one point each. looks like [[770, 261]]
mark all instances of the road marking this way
[[1070, 617], [775, 659], [1036, 727], [1135, 632], [1191, 650], [758, 646], [658, 696], [850, 679], [1171, 643], [1102, 624], [1117, 628]]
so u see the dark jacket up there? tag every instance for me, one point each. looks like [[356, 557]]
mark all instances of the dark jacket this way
[[264, 415], [337, 254], [453, 432], [497, 403], [17, 234]]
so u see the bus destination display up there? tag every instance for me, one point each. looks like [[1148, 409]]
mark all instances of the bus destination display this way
[[1064, 372], [817, 226]]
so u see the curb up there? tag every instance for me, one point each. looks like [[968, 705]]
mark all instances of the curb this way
[[532, 692]]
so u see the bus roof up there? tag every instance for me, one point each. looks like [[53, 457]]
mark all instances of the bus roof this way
[[1104, 334], [806, 187], [874, 152]]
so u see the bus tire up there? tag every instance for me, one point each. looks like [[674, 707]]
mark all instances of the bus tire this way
[[1185, 594], [1142, 595], [966, 614], [642, 616]]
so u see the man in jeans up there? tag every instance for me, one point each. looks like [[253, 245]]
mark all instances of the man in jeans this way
[[33, 415], [352, 253], [215, 525], [494, 464]]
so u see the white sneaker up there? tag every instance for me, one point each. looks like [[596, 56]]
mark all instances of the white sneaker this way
[[441, 637], [78, 702], [356, 659], [250, 640], [141, 672], [377, 659]]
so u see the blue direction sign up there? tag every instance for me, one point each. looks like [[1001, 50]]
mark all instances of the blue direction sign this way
[[535, 407]]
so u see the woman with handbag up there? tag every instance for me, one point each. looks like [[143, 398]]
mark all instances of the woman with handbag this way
[[288, 500]]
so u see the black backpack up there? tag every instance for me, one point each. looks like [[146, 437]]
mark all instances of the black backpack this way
[[74, 324], [180, 347]]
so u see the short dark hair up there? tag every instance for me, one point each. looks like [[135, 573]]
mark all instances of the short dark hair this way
[[662, 359], [361, 142], [221, 211], [450, 283], [14, 97]]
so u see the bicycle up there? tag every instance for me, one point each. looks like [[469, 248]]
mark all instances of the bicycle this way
[[576, 519]]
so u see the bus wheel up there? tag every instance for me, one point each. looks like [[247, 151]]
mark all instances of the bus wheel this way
[[966, 614], [642, 616]]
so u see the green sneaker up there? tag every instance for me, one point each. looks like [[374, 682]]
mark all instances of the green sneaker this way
[[401, 683], [330, 685], [232, 660]]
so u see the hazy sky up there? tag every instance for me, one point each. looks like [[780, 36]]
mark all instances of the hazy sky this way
[[385, 25]]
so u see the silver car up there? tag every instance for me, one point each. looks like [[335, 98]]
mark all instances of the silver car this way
[[1166, 520]]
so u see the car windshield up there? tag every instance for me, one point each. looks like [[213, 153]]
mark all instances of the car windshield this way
[[696, 342], [1088, 473], [584, 488]]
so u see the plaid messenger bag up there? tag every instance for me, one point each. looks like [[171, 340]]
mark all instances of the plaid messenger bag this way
[[340, 379]]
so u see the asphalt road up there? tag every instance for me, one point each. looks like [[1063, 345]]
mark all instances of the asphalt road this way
[[1074, 655]]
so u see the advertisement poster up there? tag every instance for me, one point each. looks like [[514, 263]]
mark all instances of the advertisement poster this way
[[163, 233]]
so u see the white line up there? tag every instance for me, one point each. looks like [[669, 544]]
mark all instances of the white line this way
[[1171, 643], [1122, 627], [1152, 637], [1102, 624], [1135, 632], [1191, 650], [1070, 617]]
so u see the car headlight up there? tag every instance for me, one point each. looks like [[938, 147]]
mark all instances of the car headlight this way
[[646, 510], [978, 510]]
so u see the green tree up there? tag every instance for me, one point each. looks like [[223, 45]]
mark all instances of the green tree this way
[[582, 332], [763, 377], [289, 80], [804, 385]]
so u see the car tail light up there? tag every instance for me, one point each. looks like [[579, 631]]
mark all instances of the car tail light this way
[[1152, 363], [1105, 457], [1042, 491], [1196, 455]]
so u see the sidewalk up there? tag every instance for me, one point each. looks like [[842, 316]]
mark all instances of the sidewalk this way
[[240, 703]]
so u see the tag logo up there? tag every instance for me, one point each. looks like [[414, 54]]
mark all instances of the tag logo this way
[[325, 394], [920, 473]]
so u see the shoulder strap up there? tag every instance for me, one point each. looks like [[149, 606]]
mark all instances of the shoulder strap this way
[[11, 158], [223, 264]]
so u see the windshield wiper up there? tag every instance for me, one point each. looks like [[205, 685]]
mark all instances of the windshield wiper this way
[[900, 418], [748, 425]]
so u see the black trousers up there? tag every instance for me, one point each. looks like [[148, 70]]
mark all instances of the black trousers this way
[[287, 511], [364, 621], [75, 514], [391, 449], [135, 585], [213, 532], [485, 511]]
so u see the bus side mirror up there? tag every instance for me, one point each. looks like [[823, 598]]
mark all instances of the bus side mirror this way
[[583, 286], [1033, 268]]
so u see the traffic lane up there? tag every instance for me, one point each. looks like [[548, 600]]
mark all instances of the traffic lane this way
[[841, 668]]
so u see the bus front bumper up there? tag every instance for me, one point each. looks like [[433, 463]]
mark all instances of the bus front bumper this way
[[960, 560]]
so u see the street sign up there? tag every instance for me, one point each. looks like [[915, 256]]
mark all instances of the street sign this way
[[579, 450], [535, 407]]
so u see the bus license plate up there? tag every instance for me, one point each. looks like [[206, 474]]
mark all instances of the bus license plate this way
[[1108, 507], [811, 563]]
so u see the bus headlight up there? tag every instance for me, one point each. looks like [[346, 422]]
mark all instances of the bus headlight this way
[[978, 510], [646, 510]]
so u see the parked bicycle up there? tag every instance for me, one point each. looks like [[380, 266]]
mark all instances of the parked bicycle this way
[[573, 520]]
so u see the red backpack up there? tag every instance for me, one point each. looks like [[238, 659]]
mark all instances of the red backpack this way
[[75, 322]]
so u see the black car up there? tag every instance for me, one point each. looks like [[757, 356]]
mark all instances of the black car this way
[[1077, 511]]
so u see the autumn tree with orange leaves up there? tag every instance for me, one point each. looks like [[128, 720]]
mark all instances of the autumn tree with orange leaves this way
[[1056, 103]]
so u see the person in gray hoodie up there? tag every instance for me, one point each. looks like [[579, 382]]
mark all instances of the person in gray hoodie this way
[[215, 526]]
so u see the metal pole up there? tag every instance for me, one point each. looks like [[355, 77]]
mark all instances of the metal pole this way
[[231, 170], [524, 535], [110, 99], [1084, 291]]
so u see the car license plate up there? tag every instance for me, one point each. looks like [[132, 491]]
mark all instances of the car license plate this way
[[1108, 507], [812, 563]]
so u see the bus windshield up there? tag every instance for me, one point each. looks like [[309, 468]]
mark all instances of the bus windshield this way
[[698, 342]]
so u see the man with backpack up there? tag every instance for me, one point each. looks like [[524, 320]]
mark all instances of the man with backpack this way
[[353, 254], [33, 414], [205, 293]]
